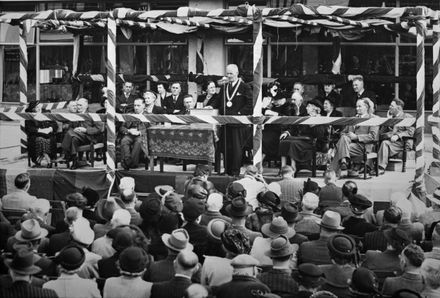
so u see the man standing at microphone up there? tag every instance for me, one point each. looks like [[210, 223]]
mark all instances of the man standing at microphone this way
[[235, 99]]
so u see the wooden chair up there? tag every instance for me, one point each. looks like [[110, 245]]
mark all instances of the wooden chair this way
[[90, 150], [407, 147], [370, 155]]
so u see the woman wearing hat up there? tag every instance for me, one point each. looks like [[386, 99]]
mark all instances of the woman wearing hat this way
[[300, 146], [277, 105], [41, 136]]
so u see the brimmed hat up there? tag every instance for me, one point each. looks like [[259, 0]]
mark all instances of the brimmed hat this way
[[278, 227], [269, 199], [150, 209], [82, 233], [331, 220], [216, 227], [30, 230], [161, 190], [214, 202], [317, 102], [126, 182], [289, 211], [71, 257], [310, 186], [236, 241], [280, 247], [91, 195], [310, 201], [76, 199], [192, 209], [106, 207], [173, 201], [341, 245], [133, 261], [178, 240], [122, 239], [196, 191], [359, 203], [244, 261], [41, 205], [234, 190], [363, 282], [239, 207], [310, 275], [435, 197], [23, 262]]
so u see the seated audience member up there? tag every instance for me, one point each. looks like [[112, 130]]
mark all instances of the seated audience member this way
[[173, 104], [133, 262], [268, 203], [125, 101], [432, 214], [238, 210], [244, 283], [162, 93], [80, 133], [234, 190], [364, 283], [343, 253], [209, 100], [163, 270], [435, 239], [21, 269], [77, 199], [330, 195], [389, 260], [316, 251], [309, 278], [105, 208], [291, 187], [196, 291], [59, 240], [188, 104], [39, 211], [376, 240], [356, 225], [150, 211], [134, 138], [289, 211], [198, 235], [151, 106], [308, 225], [196, 191], [254, 183], [411, 260], [69, 284], [200, 177], [431, 274], [129, 198], [311, 186], [217, 270], [185, 265], [278, 227], [355, 139], [392, 137], [301, 141], [107, 266], [19, 199], [103, 245], [279, 279], [213, 206]]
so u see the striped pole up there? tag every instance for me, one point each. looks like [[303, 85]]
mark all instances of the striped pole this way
[[419, 182], [257, 86], [111, 88], [436, 89], [23, 81]]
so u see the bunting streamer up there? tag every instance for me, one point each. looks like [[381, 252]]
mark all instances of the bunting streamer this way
[[419, 185], [111, 110], [436, 89]]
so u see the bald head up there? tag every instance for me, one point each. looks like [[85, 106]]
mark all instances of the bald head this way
[[232, 72]]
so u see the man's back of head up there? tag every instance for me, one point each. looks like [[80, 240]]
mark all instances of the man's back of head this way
[[413, 255], [22, 181], [287, 172], [186, 263]]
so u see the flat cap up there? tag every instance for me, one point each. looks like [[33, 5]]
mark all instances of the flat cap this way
[[244, 261]]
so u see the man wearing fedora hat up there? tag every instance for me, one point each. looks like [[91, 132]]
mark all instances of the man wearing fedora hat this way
[[244, 283], [69, 284], [21, 269], [289, 211], [132, 263], [238, 210], [309, 278], [163, 270], [185, 265], [316, 251], [279, 279]]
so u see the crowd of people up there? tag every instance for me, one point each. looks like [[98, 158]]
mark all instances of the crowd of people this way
[[342, 147], [290, 238]]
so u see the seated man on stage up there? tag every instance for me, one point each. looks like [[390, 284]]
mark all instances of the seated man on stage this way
[[134, 138], [80, 133], [125, 101], [188, 104], [173, 104], [392, 137]]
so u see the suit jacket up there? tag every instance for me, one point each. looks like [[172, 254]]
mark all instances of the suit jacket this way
[[162, 270], [357, 226], [71, 286], [315, 252], [169, 105], [279, 281], [58, 241], [174, 288], [22, 289], [107, 267], [18, 199], [241, 101], [388, 131], [334, 97], [94, 130], [127, 101], [375, 240], [330, 195], [198, 237], [411, 281], [366, 134], [382, 261], [158, 110], [241, 287], [367, 93]]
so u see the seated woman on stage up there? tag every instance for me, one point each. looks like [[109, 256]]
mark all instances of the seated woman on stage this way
[[301, 146], [41, 135], [210, 99], [355, 139], [275, 104], [333, 132]]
